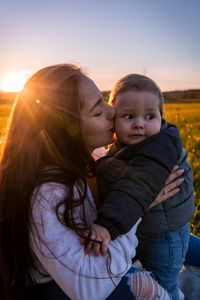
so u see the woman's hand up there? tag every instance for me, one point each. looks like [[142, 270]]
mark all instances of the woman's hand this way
[[170, 188], [97, 241]]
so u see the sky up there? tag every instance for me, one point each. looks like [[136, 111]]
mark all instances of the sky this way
[[110, 39]]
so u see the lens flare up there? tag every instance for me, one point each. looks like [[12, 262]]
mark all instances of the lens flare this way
[[13, 81]]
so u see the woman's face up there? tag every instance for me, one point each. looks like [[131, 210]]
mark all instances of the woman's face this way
[[96, 116]]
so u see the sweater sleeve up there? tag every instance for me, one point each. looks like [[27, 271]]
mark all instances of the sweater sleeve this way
[[139, 184], [58, 251]]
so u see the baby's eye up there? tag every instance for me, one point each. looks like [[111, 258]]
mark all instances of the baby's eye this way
[[150, 116], [128, 116]]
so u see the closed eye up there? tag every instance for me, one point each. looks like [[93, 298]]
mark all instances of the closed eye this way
[[97, 114]]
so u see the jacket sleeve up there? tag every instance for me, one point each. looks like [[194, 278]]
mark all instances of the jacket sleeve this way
[[139, 184], [58, 250]]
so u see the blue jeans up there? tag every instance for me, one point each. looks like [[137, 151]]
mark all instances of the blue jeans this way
[[164, 257], [51, 291], [122, 290], [193, 254]]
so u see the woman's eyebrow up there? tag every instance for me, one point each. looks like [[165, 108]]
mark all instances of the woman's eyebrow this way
[[96, 104]]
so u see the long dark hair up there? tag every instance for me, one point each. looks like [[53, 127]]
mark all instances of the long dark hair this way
[[43, 143]]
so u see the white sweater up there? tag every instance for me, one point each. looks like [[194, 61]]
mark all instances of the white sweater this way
[[61, 256]]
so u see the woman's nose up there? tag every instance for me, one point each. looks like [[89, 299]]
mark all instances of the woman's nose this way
[[111, 113]]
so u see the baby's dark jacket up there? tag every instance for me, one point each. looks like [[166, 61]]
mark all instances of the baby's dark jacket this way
[[130, 178]]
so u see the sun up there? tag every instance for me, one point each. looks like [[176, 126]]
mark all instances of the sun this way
[[13, 81]]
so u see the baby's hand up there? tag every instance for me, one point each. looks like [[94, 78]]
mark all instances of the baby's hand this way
[[98, 240]]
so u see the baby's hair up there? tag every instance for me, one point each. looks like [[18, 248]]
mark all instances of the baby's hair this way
[[136, 82]]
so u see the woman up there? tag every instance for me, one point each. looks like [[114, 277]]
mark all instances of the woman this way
[[45, 202]]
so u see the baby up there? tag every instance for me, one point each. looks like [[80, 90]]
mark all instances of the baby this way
[[127, 186]]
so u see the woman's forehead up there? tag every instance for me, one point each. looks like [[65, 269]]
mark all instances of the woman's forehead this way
[[87, 86], [88, 92]]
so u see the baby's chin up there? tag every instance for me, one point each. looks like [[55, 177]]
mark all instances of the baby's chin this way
[[132, 140]]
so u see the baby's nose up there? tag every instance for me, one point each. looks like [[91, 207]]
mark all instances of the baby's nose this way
[[138, 123]]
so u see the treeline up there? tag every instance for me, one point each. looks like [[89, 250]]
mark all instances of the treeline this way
[[185, 95], [7, 97]]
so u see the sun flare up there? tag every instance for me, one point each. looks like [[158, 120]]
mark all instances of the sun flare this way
[[13, 81]]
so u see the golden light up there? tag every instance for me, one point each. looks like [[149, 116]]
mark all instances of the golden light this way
[[13, 81]]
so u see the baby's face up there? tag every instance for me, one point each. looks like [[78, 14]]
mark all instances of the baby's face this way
[[137, 116]]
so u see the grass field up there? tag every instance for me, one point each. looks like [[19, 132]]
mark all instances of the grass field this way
[[187, 118], [4, 113]]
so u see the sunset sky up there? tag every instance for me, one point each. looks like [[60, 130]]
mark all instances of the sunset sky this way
[[110, 38]]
